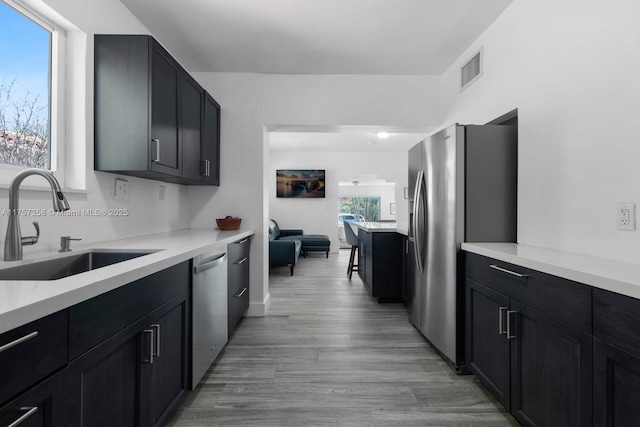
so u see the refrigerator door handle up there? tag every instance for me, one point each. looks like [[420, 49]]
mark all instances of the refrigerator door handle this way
[[418, 234]]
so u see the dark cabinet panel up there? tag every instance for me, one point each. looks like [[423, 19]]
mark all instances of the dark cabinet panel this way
[[210, 151], [538, 365], [96, 319], [616, 385], [45, 405], [151, 119], [32, 352], [564, 299], [105, 383], [238, 281], [169, 371], [551, 370], [381, 264], [192, 106], [166, 76], [488, 349]]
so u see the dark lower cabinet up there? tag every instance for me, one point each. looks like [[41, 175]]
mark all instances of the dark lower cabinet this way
[[238, 281], [45, 405], [488, 350], [550, 370], [538, 366], [136, 377], [169, 370], [616, 359], [616, 385], [380, 264], [105, 383]]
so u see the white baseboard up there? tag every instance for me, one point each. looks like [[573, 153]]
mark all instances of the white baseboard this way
[[260, 309]]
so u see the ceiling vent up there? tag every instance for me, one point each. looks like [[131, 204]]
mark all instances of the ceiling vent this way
[[471, 70]]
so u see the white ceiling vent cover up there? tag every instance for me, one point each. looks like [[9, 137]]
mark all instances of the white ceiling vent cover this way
[[471, 71]]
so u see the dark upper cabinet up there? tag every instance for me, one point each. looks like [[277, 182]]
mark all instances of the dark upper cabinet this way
[[166, 75], [192, 128], [210, 150], [151, 118]]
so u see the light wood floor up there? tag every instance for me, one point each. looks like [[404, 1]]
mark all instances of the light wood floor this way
[[327, 354]]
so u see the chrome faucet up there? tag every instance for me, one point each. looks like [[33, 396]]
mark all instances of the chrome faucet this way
[[14, 241]]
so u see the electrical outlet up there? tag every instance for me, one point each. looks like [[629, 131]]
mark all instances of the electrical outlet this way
[[626, 216], [162, 193], [122, 189]]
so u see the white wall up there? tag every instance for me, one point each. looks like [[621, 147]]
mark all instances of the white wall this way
[[320, 216], [147, 214], [571, 68], [250, 103]]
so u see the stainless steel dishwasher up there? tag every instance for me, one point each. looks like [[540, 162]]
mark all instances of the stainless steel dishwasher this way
[[209, 312]]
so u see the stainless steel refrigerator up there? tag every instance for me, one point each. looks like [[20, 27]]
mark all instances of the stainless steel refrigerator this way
[[462, 188]]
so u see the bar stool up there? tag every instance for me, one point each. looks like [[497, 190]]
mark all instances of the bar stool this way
[[352, 239]]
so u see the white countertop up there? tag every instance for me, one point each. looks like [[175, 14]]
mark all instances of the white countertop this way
[[24, 301], [615, 276], [380, 227]]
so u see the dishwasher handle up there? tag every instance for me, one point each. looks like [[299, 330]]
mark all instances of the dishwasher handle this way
[[210, 263]]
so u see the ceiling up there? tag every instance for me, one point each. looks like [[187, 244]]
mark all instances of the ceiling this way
[[387, 37], [343, 141]]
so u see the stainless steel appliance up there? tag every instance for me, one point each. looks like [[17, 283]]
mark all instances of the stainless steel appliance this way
[[209, 312], [462, 187]]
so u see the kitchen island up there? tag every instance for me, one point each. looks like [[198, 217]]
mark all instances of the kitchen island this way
[[381, 259]]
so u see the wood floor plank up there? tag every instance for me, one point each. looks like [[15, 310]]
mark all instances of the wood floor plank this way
[[327, 354]]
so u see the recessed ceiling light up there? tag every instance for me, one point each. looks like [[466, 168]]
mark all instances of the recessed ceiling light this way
[[382, 135]]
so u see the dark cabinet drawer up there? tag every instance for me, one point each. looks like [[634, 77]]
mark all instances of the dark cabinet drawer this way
[[238, 304], [45, 405], [31, 352], [93, 321], [564, 299], [239, 250], [616, 319], [238, 274]]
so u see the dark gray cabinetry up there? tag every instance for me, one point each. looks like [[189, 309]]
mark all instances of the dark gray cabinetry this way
[[130, 352], [238, 280], [210, 148], [28, 355], [44, 405], [529, 341], [150, 115], [192, 107], [380, 264], [616, 364]]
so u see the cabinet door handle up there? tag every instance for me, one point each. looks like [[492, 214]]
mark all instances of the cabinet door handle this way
[[208, 167], [19, 341], [30, 411], [504, 270], [243, 241], [241, 261], [156, 326], [510, 336], [157, 142], [150, 332], [240, 292], [501, 329]]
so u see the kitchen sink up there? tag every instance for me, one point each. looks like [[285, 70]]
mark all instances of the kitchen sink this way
[[59, 268]]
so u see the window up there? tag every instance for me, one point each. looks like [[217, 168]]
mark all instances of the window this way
[[25, 89], [362, 208]]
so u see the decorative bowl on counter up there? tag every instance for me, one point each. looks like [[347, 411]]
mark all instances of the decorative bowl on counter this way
[[228, 223]]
